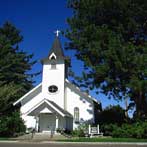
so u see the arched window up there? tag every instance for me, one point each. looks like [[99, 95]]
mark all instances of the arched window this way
[[53, 62], [76, 115]]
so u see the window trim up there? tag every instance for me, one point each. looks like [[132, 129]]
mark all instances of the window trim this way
[[52, 55], [76, 115], [53, 86]]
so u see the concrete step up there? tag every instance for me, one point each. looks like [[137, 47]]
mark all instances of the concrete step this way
[[47, 136], [41, 137]]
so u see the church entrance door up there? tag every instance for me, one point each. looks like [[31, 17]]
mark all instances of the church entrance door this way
[[47, 122]]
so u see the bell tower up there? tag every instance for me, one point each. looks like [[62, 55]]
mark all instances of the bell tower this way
[[53, 76]]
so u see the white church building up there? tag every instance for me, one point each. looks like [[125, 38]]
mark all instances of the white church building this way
[[56, 103]]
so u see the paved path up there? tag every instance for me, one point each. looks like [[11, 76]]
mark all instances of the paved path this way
[[40, 137], [46, 144]]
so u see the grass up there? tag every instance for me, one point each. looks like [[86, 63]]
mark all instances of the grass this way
[[104, 140], [3, 138]]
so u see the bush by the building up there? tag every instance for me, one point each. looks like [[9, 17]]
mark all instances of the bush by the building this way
[[11, 125], [134, 130]]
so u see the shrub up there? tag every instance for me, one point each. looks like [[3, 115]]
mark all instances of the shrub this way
[[125, 131], [137, 130], [78, 133], [11, 125], [108, 128], [81, 131], [144, 126]]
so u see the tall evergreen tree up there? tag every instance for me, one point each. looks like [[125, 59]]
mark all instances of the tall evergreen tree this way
[[15, 80], [110, 37]]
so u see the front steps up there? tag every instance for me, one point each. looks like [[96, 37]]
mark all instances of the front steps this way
[[47, 137], [40, 137]]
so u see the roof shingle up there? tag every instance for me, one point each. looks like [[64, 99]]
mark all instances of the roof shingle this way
[[57, 49]]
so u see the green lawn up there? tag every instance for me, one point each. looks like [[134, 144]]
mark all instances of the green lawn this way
[[104, 140], [3, 138]]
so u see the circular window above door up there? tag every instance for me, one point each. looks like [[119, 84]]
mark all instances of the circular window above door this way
[[53, 89]]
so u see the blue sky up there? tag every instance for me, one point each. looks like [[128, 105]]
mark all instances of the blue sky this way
[[37, 20]]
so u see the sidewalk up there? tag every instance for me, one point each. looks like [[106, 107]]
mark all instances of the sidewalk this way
[[39, 137], [82, 144], [45, 138]]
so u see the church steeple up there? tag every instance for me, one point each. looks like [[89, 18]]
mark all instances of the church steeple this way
[[57, 49], [54, 73]]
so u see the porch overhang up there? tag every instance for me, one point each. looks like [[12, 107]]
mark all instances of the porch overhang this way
[[47, 106]]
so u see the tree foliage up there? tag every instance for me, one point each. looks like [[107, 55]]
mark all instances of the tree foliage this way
[[112, 115], [7, 95], [14, 62], [11, 125], [110, 37], [133, 130], [15, 80]]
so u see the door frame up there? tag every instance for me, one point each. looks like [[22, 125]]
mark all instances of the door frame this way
[[47, 122]]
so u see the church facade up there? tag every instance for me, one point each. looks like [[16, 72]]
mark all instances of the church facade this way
[[56, 103]]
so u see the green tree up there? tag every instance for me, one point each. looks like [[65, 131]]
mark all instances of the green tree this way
[[15, 78], [109, 36], [112, 115], [7, 94]]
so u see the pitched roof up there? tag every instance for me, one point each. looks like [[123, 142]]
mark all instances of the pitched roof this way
[[28, 93], [57, 48], [66, 113], [67, 82], [82, 92], [53, 107]]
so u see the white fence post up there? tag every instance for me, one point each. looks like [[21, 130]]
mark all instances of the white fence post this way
[[98, 129], [89, 129]]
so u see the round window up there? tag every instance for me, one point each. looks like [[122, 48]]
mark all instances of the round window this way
[[53, 89]]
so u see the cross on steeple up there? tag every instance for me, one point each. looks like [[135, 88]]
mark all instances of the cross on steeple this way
[[57, 32]]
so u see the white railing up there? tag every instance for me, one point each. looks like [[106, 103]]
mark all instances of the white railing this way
[[94, 131]]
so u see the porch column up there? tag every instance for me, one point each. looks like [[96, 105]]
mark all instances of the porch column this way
[[57, 122], [37, 123]]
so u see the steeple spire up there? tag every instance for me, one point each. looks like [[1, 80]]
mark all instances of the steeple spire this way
[[57, 48]]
